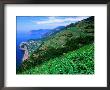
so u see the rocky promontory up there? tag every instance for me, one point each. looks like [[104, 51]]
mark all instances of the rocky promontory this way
[[29, 47]]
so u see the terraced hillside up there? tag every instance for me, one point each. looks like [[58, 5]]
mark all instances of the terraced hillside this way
[[80, 61], [76, 38]]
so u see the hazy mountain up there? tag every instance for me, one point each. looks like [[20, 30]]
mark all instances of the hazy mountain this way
[[46, 32]]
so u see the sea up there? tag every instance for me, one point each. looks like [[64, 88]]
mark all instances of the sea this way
[[30, 35], [24, 37]]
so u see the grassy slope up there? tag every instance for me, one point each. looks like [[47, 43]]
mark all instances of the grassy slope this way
[[80, 61]]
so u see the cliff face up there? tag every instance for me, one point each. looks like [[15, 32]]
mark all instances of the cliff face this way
[[26, 55], [23, 46]]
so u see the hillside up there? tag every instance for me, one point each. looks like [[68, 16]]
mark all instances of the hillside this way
[[78, 61], [69, 39]]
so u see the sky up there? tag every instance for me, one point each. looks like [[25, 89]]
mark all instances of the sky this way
[[28, 23]]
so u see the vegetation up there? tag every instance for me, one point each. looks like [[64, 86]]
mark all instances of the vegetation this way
[[80, 61], [70, 51]]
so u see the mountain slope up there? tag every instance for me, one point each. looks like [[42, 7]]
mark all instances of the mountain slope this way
[[80, 61], [70, 38]]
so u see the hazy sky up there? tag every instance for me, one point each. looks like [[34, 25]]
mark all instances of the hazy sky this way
[[28, 23]]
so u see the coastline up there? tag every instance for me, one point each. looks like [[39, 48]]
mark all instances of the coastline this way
[[29, 47], [23, 46]]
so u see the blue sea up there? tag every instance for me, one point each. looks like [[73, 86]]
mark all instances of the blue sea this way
[[24, 37], [32, 34]]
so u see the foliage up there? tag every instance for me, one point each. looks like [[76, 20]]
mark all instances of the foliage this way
[[80, 61]]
